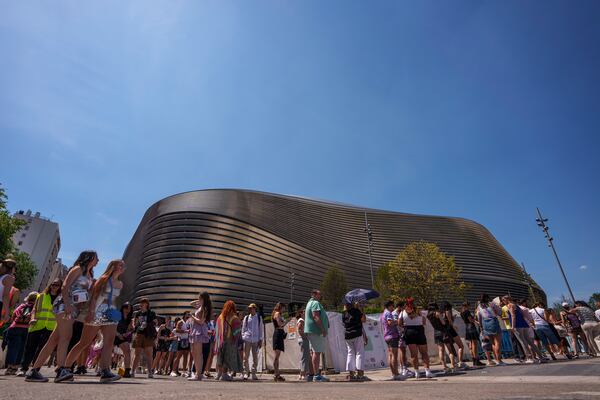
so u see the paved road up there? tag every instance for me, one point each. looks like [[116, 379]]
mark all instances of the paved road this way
[[561, 380]]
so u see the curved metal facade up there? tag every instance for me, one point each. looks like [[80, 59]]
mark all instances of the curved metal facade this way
[[244, 245]]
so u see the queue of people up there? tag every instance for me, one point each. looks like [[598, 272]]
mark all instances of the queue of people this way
[[77, 323]]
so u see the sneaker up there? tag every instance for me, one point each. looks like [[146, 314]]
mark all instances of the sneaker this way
[[478, 363], [309, 378], [463, 365], [21, 372], [529, 361], [364, 378], [108, 376], [226, 377], [127, 373], [254, 377], [320, 378], [399, 377], [35, 376], [184, 374], [502, 364], [173, 374], [9, 371], [195, 377], [150, 375], [408, 373], [279, 378], [64, 375], [491, 363], [245, 376], [428, 374]]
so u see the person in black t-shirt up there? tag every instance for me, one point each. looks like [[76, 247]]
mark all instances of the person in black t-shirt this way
[[162, 347], [144, 322], [356, 340]]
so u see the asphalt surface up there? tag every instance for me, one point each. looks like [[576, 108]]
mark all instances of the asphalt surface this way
[[559, 380]]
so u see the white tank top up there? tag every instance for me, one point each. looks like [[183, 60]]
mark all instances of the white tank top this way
[[537, 314]]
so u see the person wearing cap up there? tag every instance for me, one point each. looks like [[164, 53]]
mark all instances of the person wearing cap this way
[[252, 335], [7, 280]]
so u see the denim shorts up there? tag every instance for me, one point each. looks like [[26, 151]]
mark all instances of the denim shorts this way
[[546, 335]]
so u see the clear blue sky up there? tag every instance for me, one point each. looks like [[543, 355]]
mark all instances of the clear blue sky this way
[[477, 109]]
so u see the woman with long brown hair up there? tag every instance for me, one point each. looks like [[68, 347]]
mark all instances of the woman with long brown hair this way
[[70, 305], [199, 332], [278, 338], [104, 317], [414, 335], [228, 329]]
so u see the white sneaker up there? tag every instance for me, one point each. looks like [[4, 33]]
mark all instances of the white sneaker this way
[[428, 374], [408, 373], [529, 361], [173, 374]]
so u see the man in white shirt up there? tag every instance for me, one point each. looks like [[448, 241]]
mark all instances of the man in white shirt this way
[[252, 335]]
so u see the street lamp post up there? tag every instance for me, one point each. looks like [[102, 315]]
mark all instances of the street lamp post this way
[[292, 278], [527, 277], [541, 221], [369, 233]]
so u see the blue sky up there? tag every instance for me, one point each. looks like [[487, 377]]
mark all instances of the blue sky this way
[[477, 109]]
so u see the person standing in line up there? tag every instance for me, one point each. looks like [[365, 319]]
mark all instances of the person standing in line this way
[[487, 313], [199, 332], [414, 335], [252, 334], [144, 326], [16, 334], [590, 326], [183, 347], [441, 337], [353, 319], [72, 304], [306, 367], [162, 347], [316, 326], [228, 330], [542, 328], [279, 336], [41, 325], [102, 318], [560, 332], [471, 333], [454, 339], [518, 351], [402, 358], [211, 346], [7, 280], [172, 347], [391, 336], [571, 321], [520, 329], [124, 336]]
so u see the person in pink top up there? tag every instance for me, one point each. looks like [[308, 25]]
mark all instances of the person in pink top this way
[[16, 334]]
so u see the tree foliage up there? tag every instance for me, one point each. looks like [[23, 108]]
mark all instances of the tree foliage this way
[[422, 271], [594, 298], [26, 269], [333, 287]]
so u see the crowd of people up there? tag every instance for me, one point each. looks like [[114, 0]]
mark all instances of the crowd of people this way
[[76, 324]]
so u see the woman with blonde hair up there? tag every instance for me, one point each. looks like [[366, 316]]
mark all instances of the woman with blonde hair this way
[[227, 331], [104, 317], [72, 304]]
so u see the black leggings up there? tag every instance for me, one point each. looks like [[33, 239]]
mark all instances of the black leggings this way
[[34, 344]]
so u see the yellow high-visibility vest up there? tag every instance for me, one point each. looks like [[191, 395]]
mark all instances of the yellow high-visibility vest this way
[[44, 317]]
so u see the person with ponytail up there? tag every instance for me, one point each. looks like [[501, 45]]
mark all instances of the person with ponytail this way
[[104, 317], [72, 304], [414, 336], [199, 332]]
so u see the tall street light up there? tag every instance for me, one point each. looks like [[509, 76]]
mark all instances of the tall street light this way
[[369, 233], [541, 221]]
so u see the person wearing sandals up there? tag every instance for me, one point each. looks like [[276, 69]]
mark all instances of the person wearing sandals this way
[[279, 336], [487, 315], [70, 305], [199, 332], [353, 319], [103, 318]]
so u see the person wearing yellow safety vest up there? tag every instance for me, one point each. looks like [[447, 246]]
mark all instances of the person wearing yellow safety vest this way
[[41, 325]]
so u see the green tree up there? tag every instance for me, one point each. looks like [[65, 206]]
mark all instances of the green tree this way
[[594, 298], [333, 287], [26, 269], [422, 271], [382, 279]]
